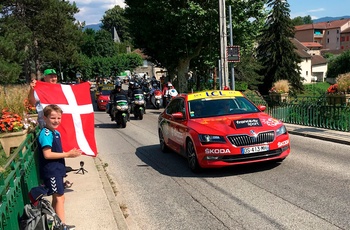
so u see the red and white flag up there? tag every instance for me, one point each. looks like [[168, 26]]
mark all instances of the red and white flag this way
[[78, 125]]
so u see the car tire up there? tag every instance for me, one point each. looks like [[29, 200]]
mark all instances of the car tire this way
[[192, 157], [163, 146]]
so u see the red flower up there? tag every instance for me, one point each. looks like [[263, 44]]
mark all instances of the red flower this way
[[10, 122], [333, 88]]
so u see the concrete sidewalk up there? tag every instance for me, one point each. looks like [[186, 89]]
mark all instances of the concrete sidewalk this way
[[91, 202]]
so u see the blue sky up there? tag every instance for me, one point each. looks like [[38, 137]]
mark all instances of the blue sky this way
[[92, 11], [319, 8]]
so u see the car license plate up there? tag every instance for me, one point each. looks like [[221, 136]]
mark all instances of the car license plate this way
[[255, 149]]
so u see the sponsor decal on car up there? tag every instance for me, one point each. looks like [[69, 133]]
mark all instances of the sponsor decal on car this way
[[271, 122], [217, 151], [214, 94], [283, 143], [244, 123]]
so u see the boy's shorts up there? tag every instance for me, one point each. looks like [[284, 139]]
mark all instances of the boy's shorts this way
[[54, 185]]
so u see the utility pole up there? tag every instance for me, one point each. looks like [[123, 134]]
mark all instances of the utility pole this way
[[223, 44], [231, 43]]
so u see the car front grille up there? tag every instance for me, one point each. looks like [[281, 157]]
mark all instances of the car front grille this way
[[246, 140]]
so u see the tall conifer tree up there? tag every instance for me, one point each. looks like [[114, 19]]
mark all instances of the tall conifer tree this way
[[276, 51]]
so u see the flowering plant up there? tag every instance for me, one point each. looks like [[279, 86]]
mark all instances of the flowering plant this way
[[29, 109], [341, 86], [10, 122], [281, 86]]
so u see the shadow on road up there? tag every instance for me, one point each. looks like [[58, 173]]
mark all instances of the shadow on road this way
[[173, 164]]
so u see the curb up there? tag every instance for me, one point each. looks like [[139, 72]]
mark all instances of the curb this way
[[111, 196], [321, 137]]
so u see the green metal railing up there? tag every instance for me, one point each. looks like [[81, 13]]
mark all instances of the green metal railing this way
[[20, 175], [322, 112]]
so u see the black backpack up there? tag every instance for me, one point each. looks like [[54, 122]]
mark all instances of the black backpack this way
[[39, 214]]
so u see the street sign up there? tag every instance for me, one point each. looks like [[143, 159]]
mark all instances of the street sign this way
[[233, 54]]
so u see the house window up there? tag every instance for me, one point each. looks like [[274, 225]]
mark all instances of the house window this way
[[307, 73], [337, 31], [337, 39], [328, 32], [347, 38], [327, 40], [145, 63]]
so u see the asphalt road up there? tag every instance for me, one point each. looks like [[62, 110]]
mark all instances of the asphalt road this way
[[309, 190]]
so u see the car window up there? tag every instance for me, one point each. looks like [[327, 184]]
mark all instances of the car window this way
[[176, 105], [219, 107], [105, 92]]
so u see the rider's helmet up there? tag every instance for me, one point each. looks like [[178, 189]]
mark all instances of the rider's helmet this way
[[131, 84], [118, 85], [169, 85], [136, 85]]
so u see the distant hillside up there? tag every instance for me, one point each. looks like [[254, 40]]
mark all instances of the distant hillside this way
[[93, 26], [328, 19]]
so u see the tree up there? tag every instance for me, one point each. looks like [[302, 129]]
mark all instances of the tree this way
[[46, 32], [115, 18], [275, 51], [174, 33], [339, 65], [297, 21]]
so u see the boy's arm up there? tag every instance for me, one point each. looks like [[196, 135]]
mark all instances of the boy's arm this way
[[49, 155]]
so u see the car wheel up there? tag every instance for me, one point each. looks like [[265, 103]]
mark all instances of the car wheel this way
[[163, 146], [192, 157]]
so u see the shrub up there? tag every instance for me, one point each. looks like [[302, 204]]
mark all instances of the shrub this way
[[12, 97], [281, 86], [343, 82]]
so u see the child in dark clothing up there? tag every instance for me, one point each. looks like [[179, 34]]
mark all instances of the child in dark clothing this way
[[51, 158]]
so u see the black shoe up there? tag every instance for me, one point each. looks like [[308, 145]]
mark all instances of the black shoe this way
[[68, 227]]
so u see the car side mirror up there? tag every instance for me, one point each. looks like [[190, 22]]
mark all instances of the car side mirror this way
[[262, 108], [177, 116]]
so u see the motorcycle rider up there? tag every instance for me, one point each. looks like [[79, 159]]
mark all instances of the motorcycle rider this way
[[117, 91], [136, 89], [166, 91]]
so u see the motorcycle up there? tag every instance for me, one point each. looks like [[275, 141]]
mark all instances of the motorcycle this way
[[156, 96], [138, 106], [169, 95], [120, 110]]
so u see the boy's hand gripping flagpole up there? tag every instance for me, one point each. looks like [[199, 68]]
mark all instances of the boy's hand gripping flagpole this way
[[78, 127]]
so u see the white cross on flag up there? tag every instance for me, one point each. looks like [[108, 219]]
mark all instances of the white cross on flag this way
[[77, 127]]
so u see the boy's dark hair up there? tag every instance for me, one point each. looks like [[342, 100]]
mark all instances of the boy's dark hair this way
[[48, 109]]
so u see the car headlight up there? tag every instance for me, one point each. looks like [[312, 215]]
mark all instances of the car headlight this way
[[205, 138], [281, 130]]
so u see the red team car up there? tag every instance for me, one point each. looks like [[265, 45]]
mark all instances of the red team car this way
[[102, 99], [213, 129]]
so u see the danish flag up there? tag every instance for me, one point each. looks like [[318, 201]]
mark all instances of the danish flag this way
[[77, 125]]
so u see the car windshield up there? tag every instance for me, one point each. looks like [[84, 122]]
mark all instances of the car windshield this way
[[105, 92], [220, 107]]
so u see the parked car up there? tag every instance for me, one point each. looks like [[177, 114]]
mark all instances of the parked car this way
[[214, 129]]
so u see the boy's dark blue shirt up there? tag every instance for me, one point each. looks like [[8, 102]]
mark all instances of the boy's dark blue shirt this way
[[55, 167]]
